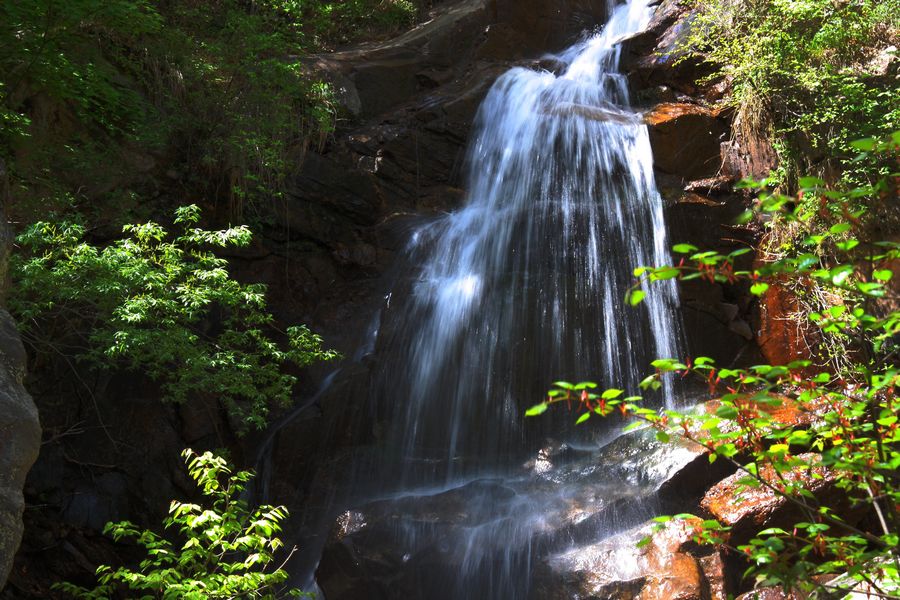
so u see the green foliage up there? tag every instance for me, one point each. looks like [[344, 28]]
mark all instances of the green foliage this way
[[221, 86], [810, 65], [224, 549], [243, 101], [848, 433], [52, 47], [343, 21], [221, 83], [163, 305]]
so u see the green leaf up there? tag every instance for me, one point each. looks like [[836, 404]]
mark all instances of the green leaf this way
[[726, 411], [871, 289], [811, 182], [847, 245], [584, 417], [883, 274], [840, 274], [758, 289], [684, 248], [864, 144], [536, 410], [636, 297], [663, 273], [611, 393]]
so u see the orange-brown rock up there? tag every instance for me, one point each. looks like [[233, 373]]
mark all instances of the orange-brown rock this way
[[748, 510], [616, 568], [789, 412], [713, 568], [783, 333]]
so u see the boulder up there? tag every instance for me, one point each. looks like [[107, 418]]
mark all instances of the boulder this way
[[784, 336], [21, 434], [747, 510], [713, 568], [20, 429], [423, 544]]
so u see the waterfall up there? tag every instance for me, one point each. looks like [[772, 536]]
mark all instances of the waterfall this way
[[524, 284], [528, 280]]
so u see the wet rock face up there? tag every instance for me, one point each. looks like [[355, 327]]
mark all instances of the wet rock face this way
[[687, 141], [412, 547], [783, 338], [20, 432], [401, 158]]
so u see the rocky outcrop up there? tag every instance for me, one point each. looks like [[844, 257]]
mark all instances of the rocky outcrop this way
[[687, 139], [20, 432], [620, 568], [785, 335], [748, 509], [411, 546], [21, 435]]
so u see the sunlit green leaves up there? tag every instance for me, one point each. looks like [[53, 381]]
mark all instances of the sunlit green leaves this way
[[225, 549], [144, 302], [537, 409], [635, 297], [758, 289], [792, 430]]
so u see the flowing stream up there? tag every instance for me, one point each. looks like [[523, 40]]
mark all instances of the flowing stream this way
[[523, 285]]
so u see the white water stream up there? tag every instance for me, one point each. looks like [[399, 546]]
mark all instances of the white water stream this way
[[527, 281]]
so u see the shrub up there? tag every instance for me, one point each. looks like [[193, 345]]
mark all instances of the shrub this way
[[162, 305], [806, 67], [224, 549]]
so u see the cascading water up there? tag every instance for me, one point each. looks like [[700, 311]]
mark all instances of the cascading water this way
[[526, 282]]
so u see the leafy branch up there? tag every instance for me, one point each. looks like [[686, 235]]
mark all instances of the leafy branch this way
[[163, 305], [823, 440]]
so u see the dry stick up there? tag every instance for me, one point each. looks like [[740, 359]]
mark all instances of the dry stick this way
[[293, 550]]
